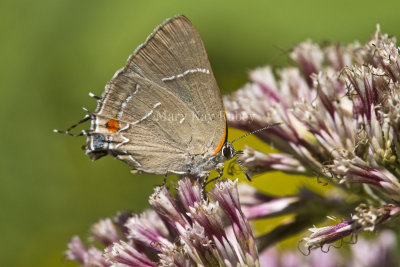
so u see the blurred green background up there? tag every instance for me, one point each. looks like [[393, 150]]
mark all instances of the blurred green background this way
[[54, 52]]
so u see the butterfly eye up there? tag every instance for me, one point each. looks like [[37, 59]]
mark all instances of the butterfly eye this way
[[227, 152]]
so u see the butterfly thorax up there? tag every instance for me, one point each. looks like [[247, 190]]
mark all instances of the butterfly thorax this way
[[199, 164]]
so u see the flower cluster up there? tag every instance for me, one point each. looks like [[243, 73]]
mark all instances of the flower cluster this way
[[189, 230], [380, 251], [341, 122]]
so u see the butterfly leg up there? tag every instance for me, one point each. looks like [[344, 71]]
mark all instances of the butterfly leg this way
[[165, 180], [204, 177], [239, 152], [220, 169]]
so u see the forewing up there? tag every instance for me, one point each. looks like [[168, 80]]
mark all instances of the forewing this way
[[174, 57]]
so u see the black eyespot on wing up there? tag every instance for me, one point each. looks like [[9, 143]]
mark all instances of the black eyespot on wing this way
[[96, 147], [98, 141]]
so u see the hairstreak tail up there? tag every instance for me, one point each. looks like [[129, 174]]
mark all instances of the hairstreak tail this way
[[163, 113]]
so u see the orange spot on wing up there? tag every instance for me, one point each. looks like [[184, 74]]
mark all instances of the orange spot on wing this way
[[112, 126]]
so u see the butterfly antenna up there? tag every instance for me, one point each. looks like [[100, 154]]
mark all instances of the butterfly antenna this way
[[259, 130], [68, 131], [239, 152]]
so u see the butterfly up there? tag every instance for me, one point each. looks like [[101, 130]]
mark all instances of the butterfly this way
[[163, 112]]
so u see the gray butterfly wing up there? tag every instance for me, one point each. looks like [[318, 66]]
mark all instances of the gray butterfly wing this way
[[149, 127], [174, 57], [163, 107]]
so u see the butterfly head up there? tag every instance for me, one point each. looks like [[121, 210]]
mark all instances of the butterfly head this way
[[228, 151]]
